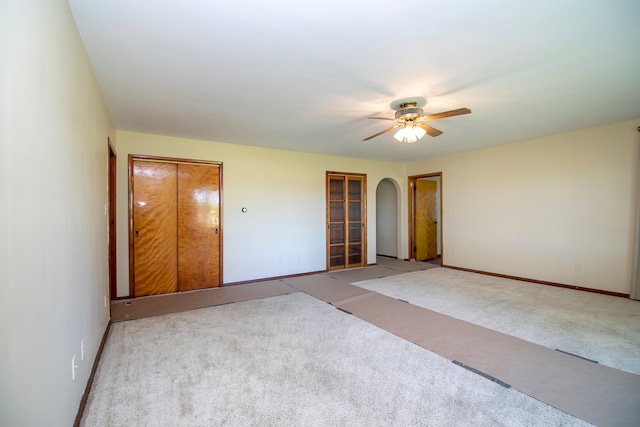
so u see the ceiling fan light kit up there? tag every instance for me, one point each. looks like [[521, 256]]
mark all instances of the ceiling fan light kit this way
[[411, 121], [410, 133]]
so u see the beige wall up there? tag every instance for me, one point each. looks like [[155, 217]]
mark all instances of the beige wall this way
[[54, 128], [283, 231], [535, 209], [532, 209]]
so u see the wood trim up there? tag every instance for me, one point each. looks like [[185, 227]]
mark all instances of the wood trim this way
[[87, 389], [363, 175], [539, 282], [113, 271], [221, 221], [441, 254], [365, 220], [174, 160], [412, 183], [327, 225], [130, 202], [142, 157]]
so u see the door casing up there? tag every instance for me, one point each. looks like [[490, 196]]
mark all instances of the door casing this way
[[412, 243], [111, 189]]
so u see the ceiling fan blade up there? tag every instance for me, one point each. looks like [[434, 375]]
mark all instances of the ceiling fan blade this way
[[380, 133], [445, 114], [430, 131], [380, 118]]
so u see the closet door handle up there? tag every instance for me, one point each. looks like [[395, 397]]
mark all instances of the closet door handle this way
[[216, 231], [136, 233]]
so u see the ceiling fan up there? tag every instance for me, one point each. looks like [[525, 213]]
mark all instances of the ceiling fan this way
[[411, 121]]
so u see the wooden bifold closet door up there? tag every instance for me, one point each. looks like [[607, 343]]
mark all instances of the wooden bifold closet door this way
[[175, 226]]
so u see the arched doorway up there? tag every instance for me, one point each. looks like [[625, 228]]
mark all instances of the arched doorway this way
[[387, 225]]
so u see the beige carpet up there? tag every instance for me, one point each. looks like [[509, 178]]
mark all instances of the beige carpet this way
[[290, 361], [602, 395], [595, 326], [293, 360]]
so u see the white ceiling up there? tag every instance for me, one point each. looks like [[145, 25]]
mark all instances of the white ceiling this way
[[305, 75]]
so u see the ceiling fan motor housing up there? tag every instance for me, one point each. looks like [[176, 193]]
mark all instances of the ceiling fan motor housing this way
[[408, 112]]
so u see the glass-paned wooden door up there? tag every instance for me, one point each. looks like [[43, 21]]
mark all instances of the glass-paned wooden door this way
[[346, 225]]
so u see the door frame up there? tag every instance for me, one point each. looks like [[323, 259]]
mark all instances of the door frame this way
[[111, 190], [412, 217], [132, 158]]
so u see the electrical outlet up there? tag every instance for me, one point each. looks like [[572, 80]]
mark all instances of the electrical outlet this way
[[73, 367], [82, 349], [578, 267]]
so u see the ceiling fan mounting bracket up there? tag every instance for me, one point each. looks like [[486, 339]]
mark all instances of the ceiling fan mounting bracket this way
[[408, 104]]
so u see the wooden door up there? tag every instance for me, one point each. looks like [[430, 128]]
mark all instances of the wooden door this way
[[336, 195], [155, 237], [176, 230], [355, 231], [198, 227], [346, 221], [425, 220]]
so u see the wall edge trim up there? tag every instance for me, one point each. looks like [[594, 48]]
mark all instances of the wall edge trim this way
[[87, 390], [540, 282]]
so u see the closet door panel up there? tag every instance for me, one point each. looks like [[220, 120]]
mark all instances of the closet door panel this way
[[336, 222], [198, 226], [336, 257], [355, 254], [154, 228], [356, 222], [346, 222]]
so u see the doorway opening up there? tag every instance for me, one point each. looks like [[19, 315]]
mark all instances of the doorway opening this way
[[387, 225], [425, 223]]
